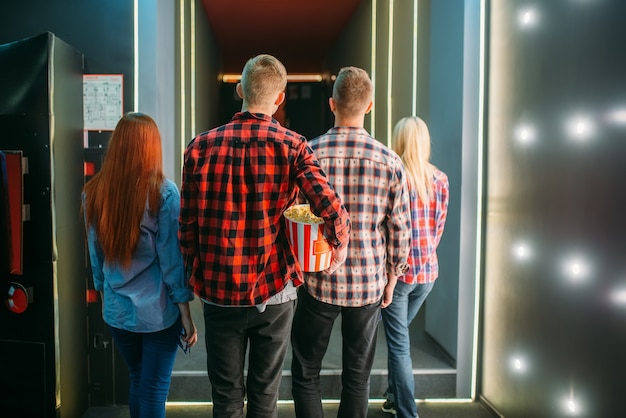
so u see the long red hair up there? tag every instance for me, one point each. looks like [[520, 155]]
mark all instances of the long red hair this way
[[130, 177]]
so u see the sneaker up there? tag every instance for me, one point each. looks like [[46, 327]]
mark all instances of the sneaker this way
[[389, 407]]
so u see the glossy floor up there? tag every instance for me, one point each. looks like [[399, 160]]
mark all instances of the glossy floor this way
[[285, 410]]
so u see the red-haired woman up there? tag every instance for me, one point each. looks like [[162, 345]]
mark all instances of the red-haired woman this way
[[131, 216]]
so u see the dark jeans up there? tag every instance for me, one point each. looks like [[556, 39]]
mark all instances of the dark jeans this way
[[150, 360], [312, 326], [229, 330]]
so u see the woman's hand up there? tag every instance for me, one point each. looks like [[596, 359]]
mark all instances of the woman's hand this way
[[190, 335]]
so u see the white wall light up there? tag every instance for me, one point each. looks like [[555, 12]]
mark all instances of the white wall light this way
[[580, 128], [572, 406], [617, 116], [522, 251], [525, 134], [528, 17], [618, 296], [576, 269], [518, 364]]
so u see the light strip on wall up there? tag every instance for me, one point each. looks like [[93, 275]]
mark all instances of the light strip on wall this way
[[479, 206], [192, 70], [414, 104], [302, 78], [390, 75], [324, 402], [181, 106], [136, 55], [373, 72]]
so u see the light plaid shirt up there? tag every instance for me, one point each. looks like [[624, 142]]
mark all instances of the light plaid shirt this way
[[370, 179], [428, 223]]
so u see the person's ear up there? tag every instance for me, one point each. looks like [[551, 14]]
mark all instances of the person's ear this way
[[369, 107], [331, 104], [239, 90], [280, 98]]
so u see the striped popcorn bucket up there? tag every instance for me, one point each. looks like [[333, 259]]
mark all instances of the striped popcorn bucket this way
[[308, 243]]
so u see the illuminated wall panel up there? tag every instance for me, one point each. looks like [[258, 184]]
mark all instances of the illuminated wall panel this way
[[554, 307]]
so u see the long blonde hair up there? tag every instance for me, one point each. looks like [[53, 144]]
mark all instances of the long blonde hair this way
[[131, 176], [411, 141]]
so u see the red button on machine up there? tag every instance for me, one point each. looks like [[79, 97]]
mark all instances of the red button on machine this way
[[17, 298]]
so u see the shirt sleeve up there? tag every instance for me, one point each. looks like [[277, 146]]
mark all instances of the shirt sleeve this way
[[324, 201], [443, 194], [399, 224], [188, 219], [168, 248], [96, 255]]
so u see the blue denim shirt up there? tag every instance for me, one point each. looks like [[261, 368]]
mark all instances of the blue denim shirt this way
[[144, 297]]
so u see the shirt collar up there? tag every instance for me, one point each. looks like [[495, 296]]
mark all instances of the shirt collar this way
[[243, 116], [339, 130]]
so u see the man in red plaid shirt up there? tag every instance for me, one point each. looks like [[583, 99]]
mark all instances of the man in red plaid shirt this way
[[238, 179]]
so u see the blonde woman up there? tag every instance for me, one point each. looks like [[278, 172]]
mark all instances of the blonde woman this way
[[428, 190], [131, 216]]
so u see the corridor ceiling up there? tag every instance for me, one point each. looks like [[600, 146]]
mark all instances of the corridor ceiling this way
[[300, 33]]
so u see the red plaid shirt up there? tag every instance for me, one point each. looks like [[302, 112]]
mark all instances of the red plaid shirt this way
[[428, 223], [238, 179]]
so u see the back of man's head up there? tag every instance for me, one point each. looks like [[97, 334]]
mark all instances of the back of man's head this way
[[352, 92], [263, 77]]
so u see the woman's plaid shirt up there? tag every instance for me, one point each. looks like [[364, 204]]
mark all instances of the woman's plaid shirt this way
[[370, 179], [238, 179], [428, 223]]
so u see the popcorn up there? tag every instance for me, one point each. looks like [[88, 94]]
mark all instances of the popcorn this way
[[302, 213], [306, 236]]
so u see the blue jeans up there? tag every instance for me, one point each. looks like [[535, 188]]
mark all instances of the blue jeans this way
[[150, 360], [312, 326], [229, 331], [407, 300]]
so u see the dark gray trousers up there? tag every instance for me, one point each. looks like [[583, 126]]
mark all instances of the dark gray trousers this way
[[312, 326], [230, 331]]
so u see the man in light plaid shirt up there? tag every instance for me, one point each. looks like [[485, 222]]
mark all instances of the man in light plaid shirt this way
[[371, 181]]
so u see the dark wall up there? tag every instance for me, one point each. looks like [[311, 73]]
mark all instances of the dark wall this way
[[305, 109], [444, 116], [102, 31], [555, 271]]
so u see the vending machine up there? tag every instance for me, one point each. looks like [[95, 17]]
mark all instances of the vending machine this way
[[43, 326]]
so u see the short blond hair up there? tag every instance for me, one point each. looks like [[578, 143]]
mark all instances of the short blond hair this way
[[352, 91], [263, 77]]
